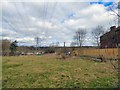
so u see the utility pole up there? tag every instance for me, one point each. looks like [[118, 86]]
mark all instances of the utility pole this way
[[37, 42], [119, 13]]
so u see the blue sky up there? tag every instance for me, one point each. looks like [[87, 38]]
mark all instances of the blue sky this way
[[103, 3], [31, 19]]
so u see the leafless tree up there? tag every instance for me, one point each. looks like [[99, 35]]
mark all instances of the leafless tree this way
[[115, 9], [96, 33], [115, 6], [72, 44], [26, 49], [5, 47], [79, 36]]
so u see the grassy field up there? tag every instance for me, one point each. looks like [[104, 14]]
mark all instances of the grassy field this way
[[48, 72]]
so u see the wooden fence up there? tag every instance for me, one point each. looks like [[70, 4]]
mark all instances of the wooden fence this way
[[113, 53]]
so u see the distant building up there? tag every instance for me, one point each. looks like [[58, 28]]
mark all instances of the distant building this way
[[111, 39]]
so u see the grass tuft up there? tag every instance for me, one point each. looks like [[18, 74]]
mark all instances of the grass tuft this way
[[49, 72]]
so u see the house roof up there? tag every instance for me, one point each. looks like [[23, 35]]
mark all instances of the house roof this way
[[116, 29]]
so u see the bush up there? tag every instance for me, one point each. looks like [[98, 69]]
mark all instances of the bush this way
[[50, 50]]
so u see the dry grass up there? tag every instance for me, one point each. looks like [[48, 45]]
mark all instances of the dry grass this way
[[48, 72], [106, 53]]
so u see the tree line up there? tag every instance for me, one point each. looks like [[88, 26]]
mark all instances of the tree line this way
[[8, 47], [11, 48], [80, 36]]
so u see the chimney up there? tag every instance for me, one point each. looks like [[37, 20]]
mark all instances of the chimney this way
[[112, 28], [64, 44]]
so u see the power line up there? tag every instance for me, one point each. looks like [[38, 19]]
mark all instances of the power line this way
[[23, 22], [45, 14], [12, 27], [54, 7], [52, 13], [27, 16]]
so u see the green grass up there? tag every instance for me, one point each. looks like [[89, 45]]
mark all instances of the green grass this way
[[48, 72]]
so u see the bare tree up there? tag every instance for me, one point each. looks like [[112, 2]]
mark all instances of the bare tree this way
[[72, 44], [5, 47], [96, 33], [114, 7], [79, 36]]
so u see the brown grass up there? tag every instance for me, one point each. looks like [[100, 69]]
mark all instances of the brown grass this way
[[48, 72]]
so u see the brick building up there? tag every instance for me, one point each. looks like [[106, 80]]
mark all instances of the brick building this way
[[111, 39]]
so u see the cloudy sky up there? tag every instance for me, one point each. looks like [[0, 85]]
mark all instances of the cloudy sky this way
[[53, 21]]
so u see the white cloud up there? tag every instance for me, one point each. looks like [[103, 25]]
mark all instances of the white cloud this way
[[90, 17], [51, 21]]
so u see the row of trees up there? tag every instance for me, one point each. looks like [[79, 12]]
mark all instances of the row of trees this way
[[8, 47], [80, 36], [11, 48]]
